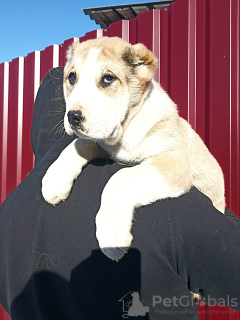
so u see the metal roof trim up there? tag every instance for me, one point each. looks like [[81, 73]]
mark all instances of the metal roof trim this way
[[109, 14]]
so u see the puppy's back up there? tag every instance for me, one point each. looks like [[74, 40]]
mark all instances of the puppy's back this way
[[207, 175]]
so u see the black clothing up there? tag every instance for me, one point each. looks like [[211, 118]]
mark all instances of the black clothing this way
[[52, 268]]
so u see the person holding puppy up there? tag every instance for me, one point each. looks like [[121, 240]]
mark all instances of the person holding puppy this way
[[51, 266]]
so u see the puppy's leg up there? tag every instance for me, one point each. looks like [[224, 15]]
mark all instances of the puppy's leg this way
[[158, 177], [59, 178]]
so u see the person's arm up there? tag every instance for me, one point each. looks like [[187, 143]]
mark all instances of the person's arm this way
[[233, 217], [209, 243]]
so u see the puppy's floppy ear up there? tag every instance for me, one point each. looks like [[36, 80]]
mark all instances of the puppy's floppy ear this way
[[141, 59], [144, 56]]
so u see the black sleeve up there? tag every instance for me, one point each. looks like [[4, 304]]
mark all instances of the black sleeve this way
[[233, 217], [208, 244], [51, 266]]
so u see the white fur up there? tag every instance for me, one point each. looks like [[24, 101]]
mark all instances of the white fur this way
[[58, 180], [94, 105], [126, 190]]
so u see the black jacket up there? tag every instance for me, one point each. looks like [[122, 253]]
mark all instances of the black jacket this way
[[50, 263]]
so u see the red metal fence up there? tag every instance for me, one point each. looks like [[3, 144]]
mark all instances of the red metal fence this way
[[197, 43]]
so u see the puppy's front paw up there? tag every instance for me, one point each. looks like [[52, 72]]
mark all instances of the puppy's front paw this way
[[114, 238], [56, 185]]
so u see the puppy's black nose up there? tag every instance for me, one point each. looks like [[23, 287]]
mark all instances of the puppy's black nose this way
[[75, 117]]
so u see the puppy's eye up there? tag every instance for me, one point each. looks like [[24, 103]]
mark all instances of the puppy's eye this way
[[72, 78], [107, 80]]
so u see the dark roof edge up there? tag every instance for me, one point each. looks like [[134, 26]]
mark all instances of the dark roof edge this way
[[110, 14], [148, 4]]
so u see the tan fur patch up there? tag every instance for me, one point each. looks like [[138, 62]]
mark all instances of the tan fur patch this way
[[174, 168]]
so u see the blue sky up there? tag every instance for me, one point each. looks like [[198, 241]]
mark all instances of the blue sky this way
[[28, 25]]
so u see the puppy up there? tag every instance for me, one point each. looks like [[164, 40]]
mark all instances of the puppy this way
[[117, 110]]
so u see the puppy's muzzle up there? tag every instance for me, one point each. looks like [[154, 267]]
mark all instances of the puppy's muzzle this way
[[75, 117]]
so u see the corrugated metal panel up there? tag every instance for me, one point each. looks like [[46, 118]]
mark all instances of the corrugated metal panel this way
[[4, 87], [234, 106], [63, 50], [3, 314], [12, 167], [197, 44], [49, 58], [30, 84]]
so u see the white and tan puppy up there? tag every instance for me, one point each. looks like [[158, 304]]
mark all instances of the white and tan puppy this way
[[116, 109]]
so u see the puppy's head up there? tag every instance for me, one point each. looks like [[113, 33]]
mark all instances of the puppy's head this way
[[104, 79]]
